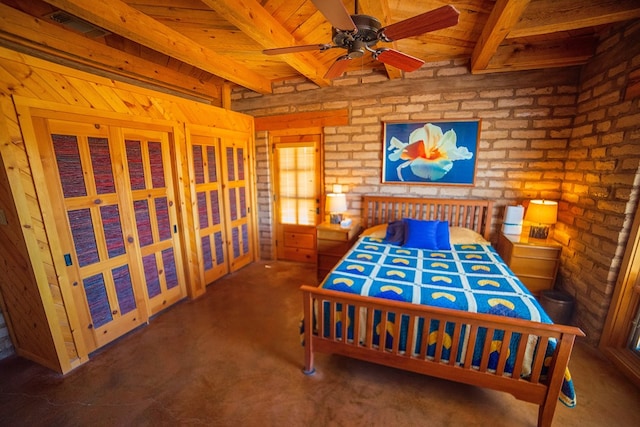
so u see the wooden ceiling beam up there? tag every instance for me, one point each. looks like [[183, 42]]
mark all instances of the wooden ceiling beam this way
[[38, 35], [551, 16], [553, 54], [380, 9], [258, 24], [120, 18], [504, 16]]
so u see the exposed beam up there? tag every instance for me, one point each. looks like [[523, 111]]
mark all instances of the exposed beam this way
[[518, 57], [254, 21], [42, 36], [504, 16], [120, 18], [380, 9], [552, 16]]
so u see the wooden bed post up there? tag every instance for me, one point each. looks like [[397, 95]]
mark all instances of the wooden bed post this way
[[556, 376], [308, 333]]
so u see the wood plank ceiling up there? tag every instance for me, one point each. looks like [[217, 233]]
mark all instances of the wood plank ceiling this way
[[202, 48]]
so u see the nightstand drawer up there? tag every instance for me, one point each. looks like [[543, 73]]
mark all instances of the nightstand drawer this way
[[333, 247], [535, 262], [537, 284], [533, 266], [535, 252]]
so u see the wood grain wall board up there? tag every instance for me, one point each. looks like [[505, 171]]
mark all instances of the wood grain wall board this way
[[38, 87]]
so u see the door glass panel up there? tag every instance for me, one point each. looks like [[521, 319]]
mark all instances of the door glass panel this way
[[112, 230], [155, 163], [162, 216], [206, 252], [198, 165], [203, 215], [69, 165], [297, 185], [169, 268], [231, 166], [84, 238], [215, 208], [143, 222], [97, 299], [101, 163], [124, 289], [136, 169], [211, 163], [151, 275]]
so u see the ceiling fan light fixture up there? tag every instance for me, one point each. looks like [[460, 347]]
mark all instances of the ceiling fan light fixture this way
[[360, 33]]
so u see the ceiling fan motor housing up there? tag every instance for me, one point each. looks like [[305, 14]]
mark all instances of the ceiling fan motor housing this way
[[367, 34]]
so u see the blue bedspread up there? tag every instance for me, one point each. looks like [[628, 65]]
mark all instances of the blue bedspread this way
[[470, 277]]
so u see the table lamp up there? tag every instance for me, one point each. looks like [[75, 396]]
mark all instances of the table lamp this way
[[336, 205], [542, 214]]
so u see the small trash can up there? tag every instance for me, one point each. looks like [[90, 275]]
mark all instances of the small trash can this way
[[558, 305]]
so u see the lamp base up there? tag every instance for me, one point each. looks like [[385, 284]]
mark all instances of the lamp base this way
[[539, 232], [335, 218]]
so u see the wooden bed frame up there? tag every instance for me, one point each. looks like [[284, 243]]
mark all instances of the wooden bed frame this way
[[475, 214]]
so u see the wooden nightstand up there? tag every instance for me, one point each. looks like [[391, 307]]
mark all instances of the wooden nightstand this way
[[534, 261], [333, 242]]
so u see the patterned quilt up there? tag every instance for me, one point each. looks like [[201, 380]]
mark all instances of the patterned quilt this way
[[470, 277]]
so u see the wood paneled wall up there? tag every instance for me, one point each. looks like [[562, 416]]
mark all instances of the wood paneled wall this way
[[27, 271]]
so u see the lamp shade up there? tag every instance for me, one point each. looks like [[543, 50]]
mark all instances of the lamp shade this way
[[336, 203], [542, 212]]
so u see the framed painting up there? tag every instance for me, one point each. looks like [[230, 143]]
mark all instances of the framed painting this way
[[431, 152]]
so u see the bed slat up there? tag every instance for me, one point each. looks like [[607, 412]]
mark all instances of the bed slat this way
[[473, 214]]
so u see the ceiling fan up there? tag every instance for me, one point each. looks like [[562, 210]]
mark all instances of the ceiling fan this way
[[359, 33]]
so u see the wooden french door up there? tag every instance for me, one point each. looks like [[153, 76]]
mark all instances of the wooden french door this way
[[113, 193], [220, 170], [151, 184], [236, 195], [297, 190], [205, 161]]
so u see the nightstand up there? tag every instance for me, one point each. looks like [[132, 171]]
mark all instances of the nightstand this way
[[534, 261], [333, 242]]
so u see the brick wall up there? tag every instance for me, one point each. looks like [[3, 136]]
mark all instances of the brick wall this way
[[530, 147], [600, 188], [526, 125]]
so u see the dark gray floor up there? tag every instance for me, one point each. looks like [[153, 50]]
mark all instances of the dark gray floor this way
[[233, 357]]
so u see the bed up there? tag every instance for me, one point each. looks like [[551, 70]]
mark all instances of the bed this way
[[441, 330]]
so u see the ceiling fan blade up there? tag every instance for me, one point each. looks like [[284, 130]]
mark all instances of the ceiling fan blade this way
[[338, 68], [437, 19], [336, 14], [398, 59], [294, 49]]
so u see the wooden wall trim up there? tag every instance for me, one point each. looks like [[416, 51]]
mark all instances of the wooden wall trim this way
[[303, 120]]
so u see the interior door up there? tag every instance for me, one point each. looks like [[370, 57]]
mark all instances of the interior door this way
[[297, 192], [236, 190], [205, 162], [97, 236], [153, 204]]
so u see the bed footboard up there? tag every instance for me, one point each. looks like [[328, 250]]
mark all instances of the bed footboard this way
[[444, 343]]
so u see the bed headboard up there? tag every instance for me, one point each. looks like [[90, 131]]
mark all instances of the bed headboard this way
[[473, 214]]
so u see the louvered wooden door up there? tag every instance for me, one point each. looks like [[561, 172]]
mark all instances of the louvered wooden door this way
[[205, 161], [114, 191], [151, 184], [97, 236], [236, 191]]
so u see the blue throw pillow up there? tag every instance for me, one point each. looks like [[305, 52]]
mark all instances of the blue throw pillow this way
[[442, 236], [395, 233], [421, 234]]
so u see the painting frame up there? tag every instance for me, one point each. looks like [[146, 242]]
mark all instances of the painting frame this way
[[449, 157]]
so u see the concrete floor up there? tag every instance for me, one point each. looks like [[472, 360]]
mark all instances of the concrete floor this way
[[233, 357]]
